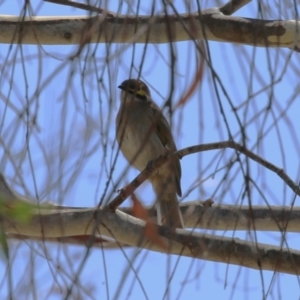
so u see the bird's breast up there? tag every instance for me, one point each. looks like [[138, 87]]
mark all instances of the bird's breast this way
[[137, 138]]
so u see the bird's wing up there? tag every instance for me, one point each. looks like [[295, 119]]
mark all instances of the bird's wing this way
[[163, 131]]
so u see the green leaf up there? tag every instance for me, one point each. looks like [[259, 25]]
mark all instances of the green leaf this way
[[4, 245], [16, 210], [22, 212]]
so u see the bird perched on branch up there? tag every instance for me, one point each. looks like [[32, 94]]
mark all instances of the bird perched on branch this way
[[144, 134]]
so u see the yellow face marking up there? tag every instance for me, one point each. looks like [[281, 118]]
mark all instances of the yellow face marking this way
[[141, 93]]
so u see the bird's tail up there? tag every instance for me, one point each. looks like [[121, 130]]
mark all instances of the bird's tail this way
[[168, 212]]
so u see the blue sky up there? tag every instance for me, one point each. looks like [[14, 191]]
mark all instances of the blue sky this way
[[70, 149]]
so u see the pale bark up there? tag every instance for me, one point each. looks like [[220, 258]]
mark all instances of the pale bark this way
[[130, 231], [211, 24], [127, 230]]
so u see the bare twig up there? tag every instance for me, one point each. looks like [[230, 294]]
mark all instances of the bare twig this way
[[147, 173], [227, 9], [232, 6], [83, 6], [83, 240], [233, 145]]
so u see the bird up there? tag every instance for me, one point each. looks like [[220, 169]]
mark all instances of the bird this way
[[143, 135]]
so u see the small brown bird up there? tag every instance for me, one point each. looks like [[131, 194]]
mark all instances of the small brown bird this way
[[144, 134]]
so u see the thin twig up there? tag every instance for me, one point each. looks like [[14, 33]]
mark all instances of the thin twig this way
[[227, 9], [232, 6], [98, 242], [83, 6], [233, 145]]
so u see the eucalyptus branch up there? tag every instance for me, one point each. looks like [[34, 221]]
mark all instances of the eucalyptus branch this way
[[211, 24], [92, 226], [130, 231]]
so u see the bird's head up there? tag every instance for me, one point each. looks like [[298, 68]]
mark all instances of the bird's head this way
[[136, 88]]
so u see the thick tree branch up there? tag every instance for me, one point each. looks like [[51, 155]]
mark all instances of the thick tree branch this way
[[57, 224], [128, 230], [231, 217], [149, 29]]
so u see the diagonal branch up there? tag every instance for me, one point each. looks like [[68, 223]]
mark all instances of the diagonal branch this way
[[158, 163], [227, 9], [232, 6], [84, 6]]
